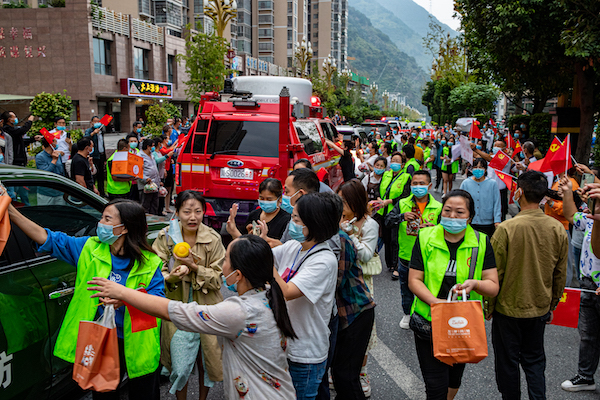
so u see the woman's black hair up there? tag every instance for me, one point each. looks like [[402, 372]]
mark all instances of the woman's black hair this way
[[387, 147], [189, 195], [147, 143], [464, 194], [355, 196], [381, 158], [272, 185], [252, 256], [133, 217], [321, 214]]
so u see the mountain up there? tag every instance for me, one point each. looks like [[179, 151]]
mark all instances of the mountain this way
[[378, 58]]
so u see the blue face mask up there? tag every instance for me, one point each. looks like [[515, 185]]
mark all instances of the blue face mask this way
[[285, 203], [105, 233], [495, 150], [516, 135], [16, 121], [169, 142], [380, 152], [396, 166], [478, 173], [414, 134], [153, 148], [296, 232], [139, 130], [379, 171], [1, 158], [268, 206], [442, 142], [478, 147], [133, 145], [61, 128], [97, 125], [419, 191], [232, 287], [454, 225]]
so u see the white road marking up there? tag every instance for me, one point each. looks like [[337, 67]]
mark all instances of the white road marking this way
[[406, 380]]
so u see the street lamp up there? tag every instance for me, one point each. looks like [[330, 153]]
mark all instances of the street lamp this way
[[386, 97], [329, 67], [346, 75], [373, 89], [303, 54], [221, 12]]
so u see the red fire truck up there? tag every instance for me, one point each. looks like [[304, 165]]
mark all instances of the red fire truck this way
[[256, 128]]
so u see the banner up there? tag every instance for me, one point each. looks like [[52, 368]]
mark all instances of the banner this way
[[465, 149]]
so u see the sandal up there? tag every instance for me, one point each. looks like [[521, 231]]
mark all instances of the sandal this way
[[395, 276]]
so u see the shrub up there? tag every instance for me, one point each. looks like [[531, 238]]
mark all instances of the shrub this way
[[48, 106]]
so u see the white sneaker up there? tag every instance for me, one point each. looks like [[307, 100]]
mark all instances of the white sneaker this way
[[365, 384], [404, 322], [578, 383]]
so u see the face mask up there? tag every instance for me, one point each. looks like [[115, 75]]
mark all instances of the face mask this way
[[153, 148], [478, 173], [478, 147], [285, 203], [105, 233], [296, 232], [232, 287], [414, 135], [495, 150], [522, 126], [268, 206], [97, 125], [516, 135], [61, 128], [442, 142], [419, 191], [1, 158], [169, 142], [450, 143], [420, 146], [380, 151], [396, 166], [379, 171], [133, 145], [16, 121], [139, 130], [454, 225]]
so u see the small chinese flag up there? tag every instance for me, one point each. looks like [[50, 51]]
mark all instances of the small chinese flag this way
[[537, 166], [140, 321], [48, 136], [567, 312], [506, 178], [475, 133], [561, 160], [106, 120], [321, 174], [518, 149], [512, 194], [499, 161], [554, 147]]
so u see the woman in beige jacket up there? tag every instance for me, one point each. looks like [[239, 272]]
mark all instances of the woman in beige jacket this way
[[195, 278]]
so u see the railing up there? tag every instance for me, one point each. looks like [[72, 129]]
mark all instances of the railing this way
[[108, 20], [147, 32]]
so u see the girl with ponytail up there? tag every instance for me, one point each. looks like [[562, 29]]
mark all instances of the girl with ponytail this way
[[254, 327]]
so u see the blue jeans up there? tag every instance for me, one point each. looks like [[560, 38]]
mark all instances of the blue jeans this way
[[324, 386], [405, 293], [306, 378]]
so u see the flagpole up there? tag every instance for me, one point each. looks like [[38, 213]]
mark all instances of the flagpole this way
[[568, 139]]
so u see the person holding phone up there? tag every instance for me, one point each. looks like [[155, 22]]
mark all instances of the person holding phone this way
[[16, 133]]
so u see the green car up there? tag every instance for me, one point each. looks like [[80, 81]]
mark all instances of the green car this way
[[35, 288]]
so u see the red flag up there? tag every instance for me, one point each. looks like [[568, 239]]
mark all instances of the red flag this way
[[106, 120], [518, 148], [512, 194], [499, 161], [561, 160], [538, 165], [554, 147], [506, 178], [510, 142], [567, 311], [475, 133], [48, 136], [140, 321]]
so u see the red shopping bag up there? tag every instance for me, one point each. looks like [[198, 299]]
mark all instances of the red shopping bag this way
[[96, 364], [458, 331]]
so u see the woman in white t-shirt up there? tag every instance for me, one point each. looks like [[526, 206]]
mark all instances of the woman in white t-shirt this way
[[253, 327], [306, 270]]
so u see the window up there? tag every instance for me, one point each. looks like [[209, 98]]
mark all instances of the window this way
[[267, 46], [265, 5], [290, 35], [171, 68], [309, 136], [327, 131], [290, 21], [248, 138], [268, 59], [316, 26], [290, 8], [316, 16], [199, 6], [316, 34], [316, 6], [102, 57], [265, 19], [140, 63]]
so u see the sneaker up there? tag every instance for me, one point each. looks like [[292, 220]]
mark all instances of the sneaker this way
[[578, 383], [331, 387], [365, 384], [404, 322]]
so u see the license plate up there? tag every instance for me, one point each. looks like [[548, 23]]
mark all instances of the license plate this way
[[230, 173]]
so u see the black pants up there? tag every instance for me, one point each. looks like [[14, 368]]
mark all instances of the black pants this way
[[118, 196], [100, 176], [438, 176], [438, 376], [504, 203], [150, 203], [350, 349], [323, 393], [487, 229], [589, 330], [134, 193], [519, 341], [145, 387], [390, 240]]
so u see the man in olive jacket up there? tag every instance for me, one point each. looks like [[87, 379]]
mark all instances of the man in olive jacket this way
[[531, 252]]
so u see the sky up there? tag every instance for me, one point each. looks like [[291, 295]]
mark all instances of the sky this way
[[442, 10]]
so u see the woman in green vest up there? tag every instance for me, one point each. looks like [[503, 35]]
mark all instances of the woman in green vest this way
[[449, 168], [440, 263], [122, 254], [395, 185]]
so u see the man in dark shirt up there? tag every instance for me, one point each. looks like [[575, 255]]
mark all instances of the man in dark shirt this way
[[80, 166], [16, 133]]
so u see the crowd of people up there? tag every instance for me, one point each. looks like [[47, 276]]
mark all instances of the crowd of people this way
[[303, 264]]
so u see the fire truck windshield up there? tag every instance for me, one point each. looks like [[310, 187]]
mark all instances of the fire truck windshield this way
[[252, 138]]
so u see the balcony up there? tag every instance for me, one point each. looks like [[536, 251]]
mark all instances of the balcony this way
[[110, 21], [265, 5]]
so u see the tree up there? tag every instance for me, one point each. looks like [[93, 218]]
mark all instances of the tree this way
[[516, 45], [471, 98], [204, 63], [48, 106], [449, 58], [156, 118]]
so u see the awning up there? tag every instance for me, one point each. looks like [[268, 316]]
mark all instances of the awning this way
[[14, 97]]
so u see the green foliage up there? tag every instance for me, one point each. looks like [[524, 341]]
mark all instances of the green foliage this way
[[449, 57], [581, 33], [515, 120], [173, 110], [76, 134], [156, 118], [56, 3], [596, 148], [204, 63], [435, 98], [16, 4], [471, 98], [539, 129], [48, 106]]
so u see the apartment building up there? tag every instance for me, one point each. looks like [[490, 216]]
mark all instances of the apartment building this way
[[328, 31]]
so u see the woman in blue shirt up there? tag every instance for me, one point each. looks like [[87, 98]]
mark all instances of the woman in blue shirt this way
[[122, 254]]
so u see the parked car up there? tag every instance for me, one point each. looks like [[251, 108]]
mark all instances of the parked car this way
[[35, 288]]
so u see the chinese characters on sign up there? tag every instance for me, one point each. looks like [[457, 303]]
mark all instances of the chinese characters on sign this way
[[139, 88], [14, 49], [5, 369]]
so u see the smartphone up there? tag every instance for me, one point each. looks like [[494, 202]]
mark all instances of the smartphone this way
[[255, 228], [585, 179]]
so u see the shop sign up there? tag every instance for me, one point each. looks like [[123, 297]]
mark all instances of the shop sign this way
[[140, 88]]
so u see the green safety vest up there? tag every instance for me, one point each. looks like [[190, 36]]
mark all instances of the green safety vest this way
[[454, 165], [398, 182], [431, 213], [412, 162], [436, 256], [113, 187], [142, 349], [426, 155]]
